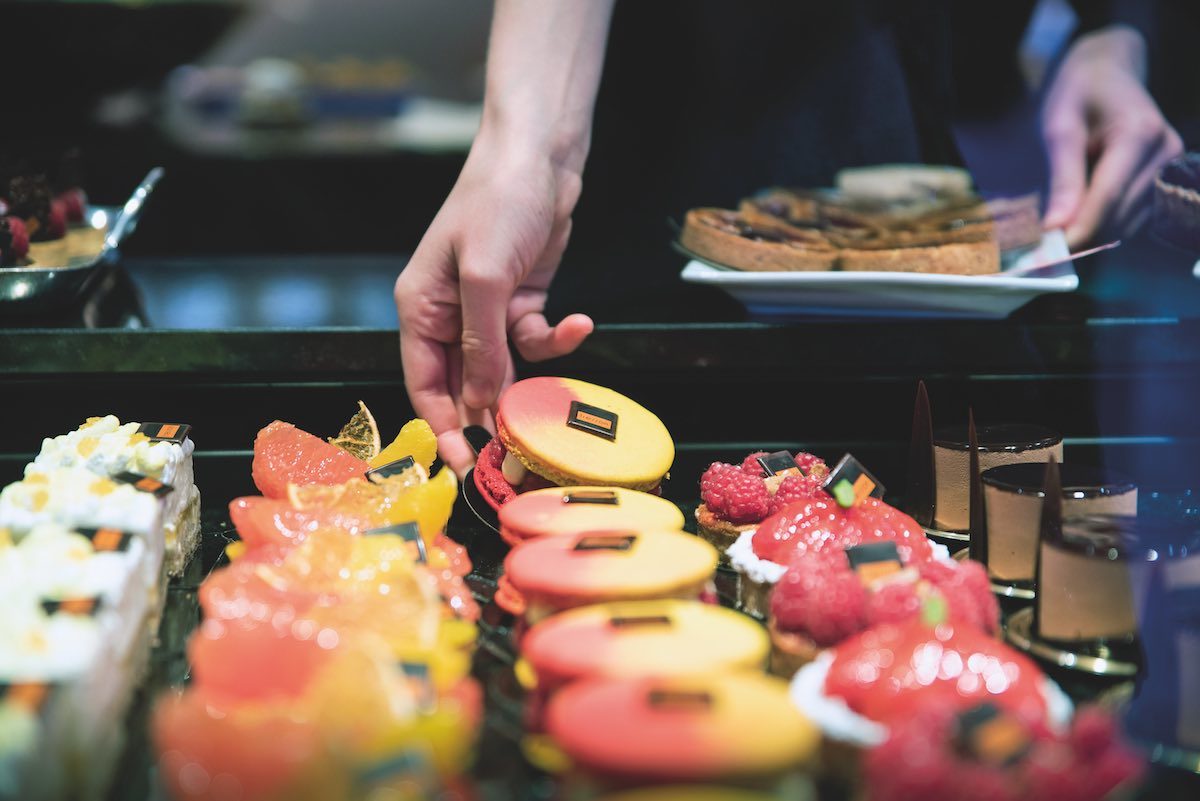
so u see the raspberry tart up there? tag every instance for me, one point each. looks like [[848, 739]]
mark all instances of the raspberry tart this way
[[762, 555], [827, 597], [736, 498], [940, 750]]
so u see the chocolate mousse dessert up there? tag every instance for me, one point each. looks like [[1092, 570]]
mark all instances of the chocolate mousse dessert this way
[[998, 445], [1083, 579], [1013, 501]]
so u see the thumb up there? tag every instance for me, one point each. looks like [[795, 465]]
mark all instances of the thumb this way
[[1066, 152], [538, 340]]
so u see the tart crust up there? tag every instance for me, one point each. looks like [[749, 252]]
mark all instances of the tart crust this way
[[726, 238]]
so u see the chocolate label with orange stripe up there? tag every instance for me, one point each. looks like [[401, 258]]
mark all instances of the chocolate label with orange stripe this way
[[779, 463], [990, 735], [391, 468], [31, 696], [593, 420], [605, 542], [875, 562], [83, 607], [144, 483], [607, 497], [683, 700], [638, 621], [850, 483], [410, 532], [107, 539], [165, 432], [418, 674]]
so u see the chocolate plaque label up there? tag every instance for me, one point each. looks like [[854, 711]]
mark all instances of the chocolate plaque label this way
[[165, 432], [989, 735], [418, 673], [84, 607], [851, 481], [779, 463], [638, 621], [606, 497], [682, 700], [107, 540], [30, 695], [605, 542], [144, 483], [875, 561], [409, 532], [391, 468], [593, 420]]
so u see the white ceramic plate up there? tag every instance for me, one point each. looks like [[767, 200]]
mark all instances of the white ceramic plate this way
[[897, 294]]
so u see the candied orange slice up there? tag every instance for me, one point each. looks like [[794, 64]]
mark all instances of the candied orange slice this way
[[360, 436], [416, 439]]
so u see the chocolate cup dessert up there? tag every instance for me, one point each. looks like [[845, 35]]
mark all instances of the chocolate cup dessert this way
[[998, 445], [1084, 581], [1013, 498]]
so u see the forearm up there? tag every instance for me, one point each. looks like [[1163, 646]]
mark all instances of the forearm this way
[[544, 63]]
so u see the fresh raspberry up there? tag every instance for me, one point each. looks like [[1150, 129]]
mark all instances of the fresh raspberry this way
[[793, 489], [56, 223], [978, 782], [1092, 732], [74, 203], [1050, 775], [14, 240], [967, 591], [732, 495], [820, 599], [1110, 769], [750, 464], [811, 466], [893, 603]]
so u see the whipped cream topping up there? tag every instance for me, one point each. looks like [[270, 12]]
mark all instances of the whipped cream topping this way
[[105, 446], [839, 722], [745, 561], [75, 496]]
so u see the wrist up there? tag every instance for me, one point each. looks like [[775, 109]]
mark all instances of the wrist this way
[[1118, 46], [514, 133]]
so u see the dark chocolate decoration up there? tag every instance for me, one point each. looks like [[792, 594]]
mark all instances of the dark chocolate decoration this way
[[778, 462], [852, 471], [874, 560], [593, 420], [400, 764], [28, 694], [637, 621], [1049, 532], [165, 432], [605, 542], [922, 477], [144, 483], [987, 734], [605, 497], [1077, 480], [1012, 437], [977, 520], [683, 700], [86, 607], [408, 531], [107, 539], [419, 672], [391, 468]]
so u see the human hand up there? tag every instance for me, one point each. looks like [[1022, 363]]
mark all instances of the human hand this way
[[478, 279], [1099, 114]]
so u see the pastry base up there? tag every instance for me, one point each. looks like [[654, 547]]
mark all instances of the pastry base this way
[[743, 253], [754, 597], [717, 532], [957, 258], [789, 651]]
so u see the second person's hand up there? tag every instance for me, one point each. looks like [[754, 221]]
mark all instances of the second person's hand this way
[[477, 281]]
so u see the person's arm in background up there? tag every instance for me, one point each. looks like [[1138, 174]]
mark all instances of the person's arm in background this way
[[479, 277], [1105, 136]]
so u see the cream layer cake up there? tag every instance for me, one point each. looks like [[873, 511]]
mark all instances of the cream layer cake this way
[[998, 445], [1013, 499], [160, 451]]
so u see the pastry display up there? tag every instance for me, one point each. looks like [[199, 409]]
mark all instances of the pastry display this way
[[551, 574], [569, 510], [732, 728], [734, 499], [641, 638], [998, 445], [1177, 201], [828, 596], [564, 432], [939, 750], [1013, 503], [761, 556], [1084, 584]]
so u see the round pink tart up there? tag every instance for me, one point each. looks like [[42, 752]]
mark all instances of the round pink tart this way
[[556, 573], [732, 727], [565, 432], [569, 510]]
